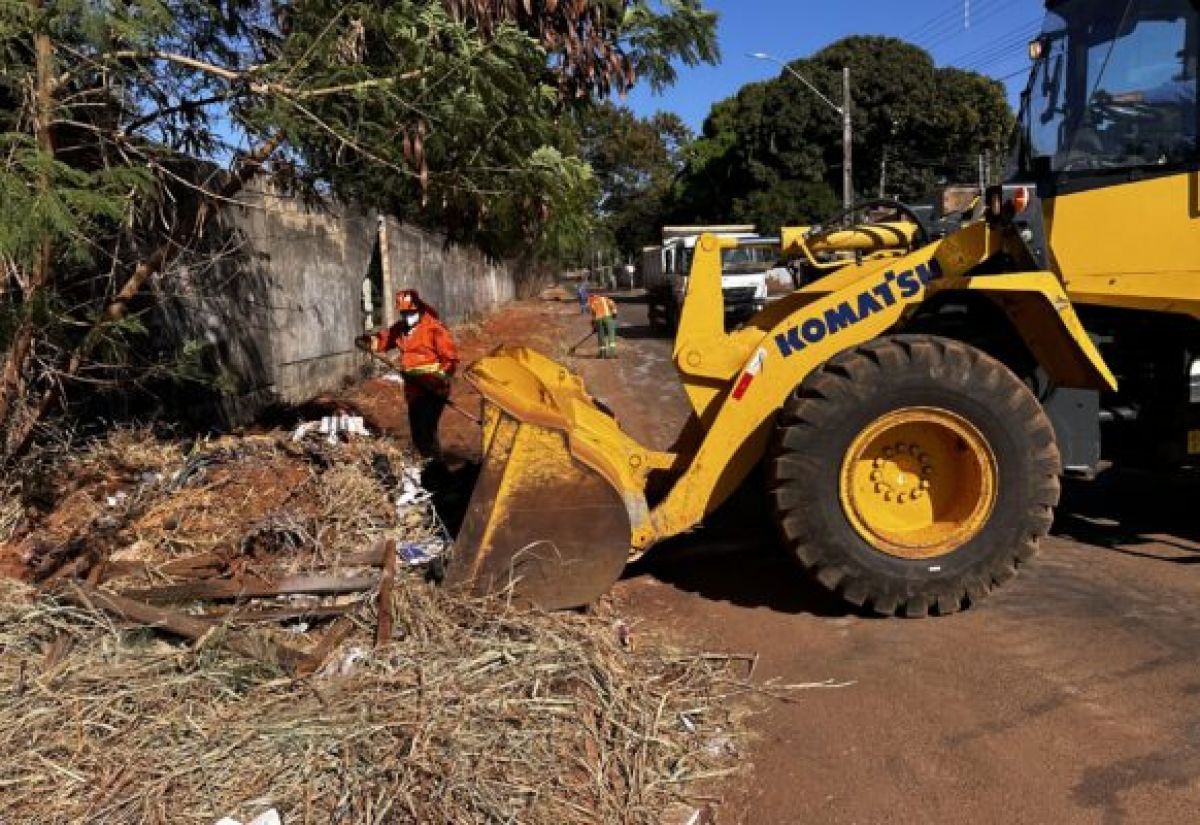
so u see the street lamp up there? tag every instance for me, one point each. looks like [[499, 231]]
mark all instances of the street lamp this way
[[847, 123]]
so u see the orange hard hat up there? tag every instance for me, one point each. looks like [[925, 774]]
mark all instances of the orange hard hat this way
[[407, 300]]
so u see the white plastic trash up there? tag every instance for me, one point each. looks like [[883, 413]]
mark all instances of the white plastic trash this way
[[270, 817]]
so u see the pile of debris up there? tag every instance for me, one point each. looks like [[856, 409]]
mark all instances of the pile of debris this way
[[248, 625]]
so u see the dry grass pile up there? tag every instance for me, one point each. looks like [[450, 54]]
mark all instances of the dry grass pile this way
[[11, 512], [473, 714], [131, 496], [426, 708]]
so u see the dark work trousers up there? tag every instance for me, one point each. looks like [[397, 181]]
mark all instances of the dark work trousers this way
[[424, 413]]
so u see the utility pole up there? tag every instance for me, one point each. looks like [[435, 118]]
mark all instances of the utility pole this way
[[883, 175], [387, 276], [845, 110], [847, 143], [982, 175]]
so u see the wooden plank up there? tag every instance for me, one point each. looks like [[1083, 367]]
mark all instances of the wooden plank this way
[[387, 582], [337, 634], [97, 573], [241, 616], [205, 565], [201, 563], [228, 589], [178, 624]]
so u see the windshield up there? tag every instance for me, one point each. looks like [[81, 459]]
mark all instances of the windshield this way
[[1115, 87], [744, 260], [749, 260]]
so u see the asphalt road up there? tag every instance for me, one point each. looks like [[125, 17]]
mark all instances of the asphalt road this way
[[1071, 696]]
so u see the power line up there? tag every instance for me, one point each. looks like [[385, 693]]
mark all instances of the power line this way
[[1003, 58], [1002, 41], [1000, 63], [936, 19], [952, 20], [992, 12], [1003, 54], [953, 27], [1019, 73], [985, 16]]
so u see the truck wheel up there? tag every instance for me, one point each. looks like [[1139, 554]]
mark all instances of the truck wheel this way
[[672, 315], [913, 475]]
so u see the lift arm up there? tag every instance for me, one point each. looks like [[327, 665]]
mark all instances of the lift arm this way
[[737, 382]]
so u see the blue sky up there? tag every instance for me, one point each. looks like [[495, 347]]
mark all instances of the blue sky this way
[[995, 43]]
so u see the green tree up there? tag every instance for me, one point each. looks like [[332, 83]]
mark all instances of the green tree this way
[[635, 161], [772, 154], [444, 111]]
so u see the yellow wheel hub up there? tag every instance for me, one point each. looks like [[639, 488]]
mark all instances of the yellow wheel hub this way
[[918, 483]]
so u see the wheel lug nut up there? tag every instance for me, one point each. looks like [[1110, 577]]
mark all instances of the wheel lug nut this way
[[901, 498], [925, 485], [889, 452], [878, 463], [916, 494], [877, 476]]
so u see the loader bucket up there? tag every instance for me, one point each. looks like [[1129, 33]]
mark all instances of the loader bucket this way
[[552, 515]]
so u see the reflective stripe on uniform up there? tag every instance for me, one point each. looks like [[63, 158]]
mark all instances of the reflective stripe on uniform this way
[[430, 369]]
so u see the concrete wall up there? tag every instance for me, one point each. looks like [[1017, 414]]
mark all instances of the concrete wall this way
[[460, 283], [314, 265], [278, 313]]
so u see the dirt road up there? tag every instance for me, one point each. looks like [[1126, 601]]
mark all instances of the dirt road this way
[[1071, 696]]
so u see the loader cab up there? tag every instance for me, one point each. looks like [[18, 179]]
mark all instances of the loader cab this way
[[1107, 136], [1112, 96]]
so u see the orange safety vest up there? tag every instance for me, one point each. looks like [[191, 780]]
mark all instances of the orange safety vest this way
[[601, 307], [428, 349]]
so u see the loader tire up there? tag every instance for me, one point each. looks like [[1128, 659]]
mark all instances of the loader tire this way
[[913, 475]]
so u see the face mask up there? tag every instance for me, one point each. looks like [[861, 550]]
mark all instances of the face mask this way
[[411, 318]]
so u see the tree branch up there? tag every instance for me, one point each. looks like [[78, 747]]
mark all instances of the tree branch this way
[[167, 111], [232, 75], [373, 83], [247, 75]]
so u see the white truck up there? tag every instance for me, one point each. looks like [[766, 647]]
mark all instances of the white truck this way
[[744, 274]]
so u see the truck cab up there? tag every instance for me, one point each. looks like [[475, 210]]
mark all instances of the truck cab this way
[[744, 276]]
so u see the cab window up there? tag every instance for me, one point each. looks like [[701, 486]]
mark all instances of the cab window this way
[[1116, 86]]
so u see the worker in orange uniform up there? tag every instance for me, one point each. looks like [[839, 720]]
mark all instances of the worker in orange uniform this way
[[604, 317], [428, 361]]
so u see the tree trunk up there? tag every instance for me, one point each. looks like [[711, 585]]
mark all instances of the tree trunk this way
[[116, 309], [12, 384]]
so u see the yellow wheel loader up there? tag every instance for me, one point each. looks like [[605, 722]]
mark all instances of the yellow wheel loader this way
[[915, 405]]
